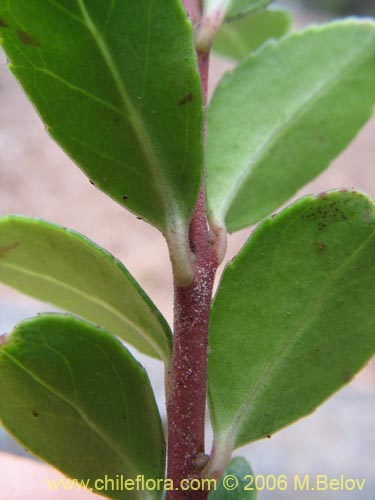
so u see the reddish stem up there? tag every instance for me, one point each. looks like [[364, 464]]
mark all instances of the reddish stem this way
[[187, 395], [193, 9]]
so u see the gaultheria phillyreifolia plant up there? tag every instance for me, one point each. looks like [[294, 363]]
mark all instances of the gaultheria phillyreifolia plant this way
[[122, 87]]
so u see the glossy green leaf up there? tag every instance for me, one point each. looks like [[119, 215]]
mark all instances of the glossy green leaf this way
[[294, 318], [117, 84], [74, 396], [283, 115], [237, 482], [235, 40], [241, 8], [62, 267]]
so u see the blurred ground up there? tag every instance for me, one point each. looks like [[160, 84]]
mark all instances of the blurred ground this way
[[37, 179]]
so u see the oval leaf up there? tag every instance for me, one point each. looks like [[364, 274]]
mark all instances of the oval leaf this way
[[241, 8], [64, 268], [237, 482], [74, 396], [294, 318], [117, 84], [283, 115], [235, 40]]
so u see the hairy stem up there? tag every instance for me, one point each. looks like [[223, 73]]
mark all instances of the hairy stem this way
[[187, 395]]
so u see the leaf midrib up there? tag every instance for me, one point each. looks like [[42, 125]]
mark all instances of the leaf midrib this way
[[91, 299], [135, 120], [243, 413], [245, 174]]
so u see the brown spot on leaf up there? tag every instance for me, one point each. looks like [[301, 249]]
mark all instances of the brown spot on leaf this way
[[366, 215], [3, 24], [187, 98], [27, 39], [268, 436], [5, 250], [92, 182], [346, 375], [35, 414], [124, 197], [321, 246]]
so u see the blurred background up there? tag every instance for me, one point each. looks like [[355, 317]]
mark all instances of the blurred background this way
[[316, 10], [347, 7], [37, 179]]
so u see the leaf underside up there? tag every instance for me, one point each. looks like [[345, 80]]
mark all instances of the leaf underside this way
[[241, 8], [118, 87], [293, 319], [62, 267], [237, 39], [74, 396], [279, 119]]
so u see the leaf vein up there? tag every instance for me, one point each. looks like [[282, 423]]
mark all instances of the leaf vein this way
[[279, 356], [90, 298], [112, 444], [283, 129]]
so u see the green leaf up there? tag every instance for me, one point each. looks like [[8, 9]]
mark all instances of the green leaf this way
[[234, 9], [235, 40], [74, 396], [237, 482], [241, 8], [117, 84], [64, 268], [283, 115], [293, 319]]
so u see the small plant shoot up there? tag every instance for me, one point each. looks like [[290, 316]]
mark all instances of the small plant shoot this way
[[122, 88]]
